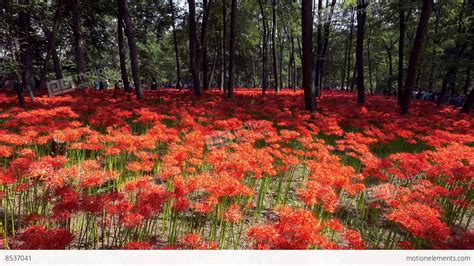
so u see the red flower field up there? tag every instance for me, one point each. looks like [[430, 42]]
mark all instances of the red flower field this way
[[101, 170]]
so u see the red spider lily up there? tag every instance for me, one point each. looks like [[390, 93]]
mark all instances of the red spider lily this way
[[354, 239], [131, 220], [138, 246], [194, 241], [233, 214], [151, 202], [38, 237], [276, 154], [296, 229], [6, 177], [335, 225], [421, 221], [315, 193], [6, 151], [181, 204], [68, 203]]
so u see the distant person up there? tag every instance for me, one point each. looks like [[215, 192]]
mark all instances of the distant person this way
[[118, 85], [96, 85], [107, 84], [101, 84], [154, 85]]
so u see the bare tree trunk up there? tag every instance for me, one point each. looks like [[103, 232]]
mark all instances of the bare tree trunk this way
[[318, 50], [211, 78], [26, 56], [132, 46], [369, 61], [361, 17], [344, 66], [122, 54], [327, 31], [349, 57], [205, 19], [447, 85], [307, 58], [280, 64], [433, 52], [224, 33], [78, 46], [293, 62], [390, 68], [274, 45], [353, 79], [264, 48], [418, 75], [232, 47], [193, 46], [415, 53], [175, 42], [401, 46], [467, 83], [467, 107], [56, 60], [51, 44], [449, 81]]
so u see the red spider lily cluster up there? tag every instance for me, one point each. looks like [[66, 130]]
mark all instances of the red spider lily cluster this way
[[98, 170]]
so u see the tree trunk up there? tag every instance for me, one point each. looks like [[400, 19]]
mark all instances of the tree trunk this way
[[122, 54], [224, 33], [175, 42], [449, 81], [293, 62], [447, 85], [353, 79], [349, 57], [232, 47], [467, 83], [318, 50], [390, 67], [58, 71], [418, 75], [369, 61], [280, 65], [132, 46], [205, 19], [274, 45], [390, 64], [361, 17], [327, 31], [433, 52], [56, 60], [415, 54], [78, 45], [51, 44], [193, 47], [26, 56], [344, 65], [211, 78], [401, 46], [467, 107], [264, 48], [307, 40]]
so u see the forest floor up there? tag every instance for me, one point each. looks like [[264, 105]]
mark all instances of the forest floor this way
[[103, 170]]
